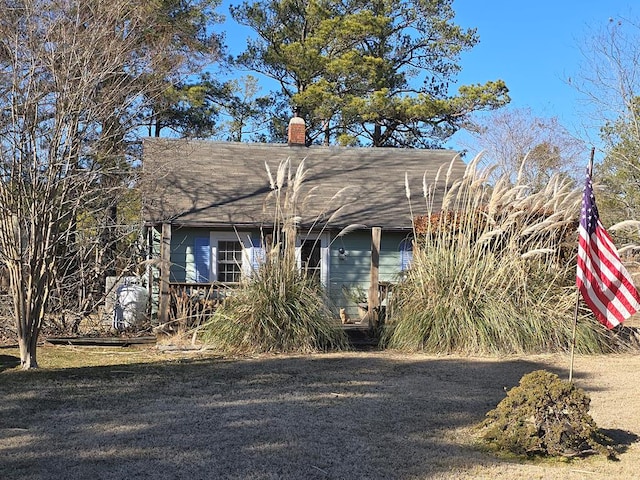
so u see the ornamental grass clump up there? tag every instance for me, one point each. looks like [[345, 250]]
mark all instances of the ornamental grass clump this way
[[544, 416], [493, 271], [280, 307]]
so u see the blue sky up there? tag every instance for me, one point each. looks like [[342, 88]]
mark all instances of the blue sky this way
[[533, 46]]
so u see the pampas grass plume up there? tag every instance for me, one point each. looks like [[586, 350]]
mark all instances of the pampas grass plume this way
[[627, 224], [406, 186]]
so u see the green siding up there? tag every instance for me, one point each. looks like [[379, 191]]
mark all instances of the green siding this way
[[348, 274], [352, 272]]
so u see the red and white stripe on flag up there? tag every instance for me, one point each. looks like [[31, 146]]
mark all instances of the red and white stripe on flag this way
[[602, 279]]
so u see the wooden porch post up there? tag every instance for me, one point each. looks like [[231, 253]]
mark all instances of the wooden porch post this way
[[165, 266], [149, 256], [374, 296]]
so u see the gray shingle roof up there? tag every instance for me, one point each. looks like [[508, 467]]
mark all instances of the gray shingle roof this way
[[203, 183]]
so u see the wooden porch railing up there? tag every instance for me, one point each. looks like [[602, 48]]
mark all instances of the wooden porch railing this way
[[190, 303]]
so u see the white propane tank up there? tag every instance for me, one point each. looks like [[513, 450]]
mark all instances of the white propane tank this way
[[131, 304]]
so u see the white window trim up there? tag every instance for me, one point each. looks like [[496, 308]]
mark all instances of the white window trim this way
[[324, 254], [216, 237]]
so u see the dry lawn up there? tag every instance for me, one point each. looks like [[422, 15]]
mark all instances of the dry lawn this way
[[138, 413]]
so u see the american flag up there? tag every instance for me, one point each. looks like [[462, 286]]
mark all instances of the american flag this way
[[605, 284]]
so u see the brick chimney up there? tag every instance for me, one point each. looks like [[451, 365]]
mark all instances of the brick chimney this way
[[297, 132]]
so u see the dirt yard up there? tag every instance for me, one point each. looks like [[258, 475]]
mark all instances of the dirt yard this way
[[359, 415]]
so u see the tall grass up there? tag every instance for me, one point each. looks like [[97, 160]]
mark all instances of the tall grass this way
[[280, 307], [493, 271]]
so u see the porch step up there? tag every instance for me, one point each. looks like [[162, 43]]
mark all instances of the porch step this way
[[361, 338]]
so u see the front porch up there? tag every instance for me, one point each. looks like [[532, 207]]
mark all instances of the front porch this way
[[191, 305], [183, 288]]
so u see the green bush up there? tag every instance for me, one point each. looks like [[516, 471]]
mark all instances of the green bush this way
[[544, 416]]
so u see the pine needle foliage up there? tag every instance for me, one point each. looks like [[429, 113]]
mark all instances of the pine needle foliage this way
[[280, 307], [493, 271]]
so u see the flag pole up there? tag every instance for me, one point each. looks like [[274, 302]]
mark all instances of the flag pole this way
[[573, 337], [575, 316]]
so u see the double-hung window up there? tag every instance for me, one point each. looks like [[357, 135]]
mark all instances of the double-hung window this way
[[229, 256], [228, 260]]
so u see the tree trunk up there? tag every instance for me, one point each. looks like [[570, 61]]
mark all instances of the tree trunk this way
[[327, 133], [23, 294], [28, 343], [27, 246], [29, 297], [108, 238], [377, 135]]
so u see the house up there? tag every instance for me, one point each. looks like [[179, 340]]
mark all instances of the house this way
[[207, 210]]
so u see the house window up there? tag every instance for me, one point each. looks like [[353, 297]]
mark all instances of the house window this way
[[257, 255], [312, 254], [229, 261], [310, 258]]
